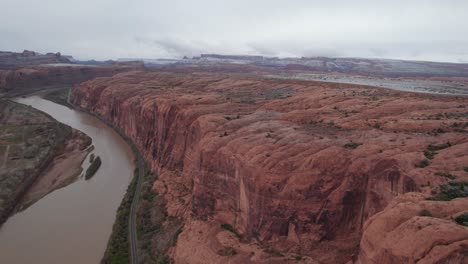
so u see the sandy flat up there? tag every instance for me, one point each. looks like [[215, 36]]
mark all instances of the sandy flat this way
[[63, 170]]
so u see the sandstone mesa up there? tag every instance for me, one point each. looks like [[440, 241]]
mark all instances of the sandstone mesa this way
[[304, 167]]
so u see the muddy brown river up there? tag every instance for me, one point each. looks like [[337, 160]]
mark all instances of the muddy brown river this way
[[72, 224]]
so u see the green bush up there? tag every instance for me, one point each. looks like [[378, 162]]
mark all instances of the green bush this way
[[422, 164], [352, 145], [438, 147], [425, 213], [273, 251], [462, 219], [230, 228], [93, 168], [429, 154], [451, 191], [446, 175]]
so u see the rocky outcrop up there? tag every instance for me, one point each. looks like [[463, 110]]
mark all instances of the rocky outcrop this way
[[13, 60], [399, 234], [290, 164]]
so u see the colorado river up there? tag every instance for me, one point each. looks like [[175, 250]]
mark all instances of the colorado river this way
[[72, 224]]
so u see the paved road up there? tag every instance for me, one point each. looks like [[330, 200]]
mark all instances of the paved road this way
[[5, 158], [132, 232]]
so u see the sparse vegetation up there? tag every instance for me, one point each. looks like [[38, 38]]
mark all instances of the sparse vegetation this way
[[422, 164], [438, 147], [157, 231], [462, 219], [227, 251], [230, 228], [117, 251], [425, 213], [429, 154], [93, 168], [59, 96], [273, 251], [312, 123], [91, 157], [446, 175], [29, 140], [451, 191], [352, 145]]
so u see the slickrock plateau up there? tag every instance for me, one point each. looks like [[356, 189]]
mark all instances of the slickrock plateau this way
[[296, 170], [400, 235]]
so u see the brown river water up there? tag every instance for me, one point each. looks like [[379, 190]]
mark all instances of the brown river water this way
[[72, 224]]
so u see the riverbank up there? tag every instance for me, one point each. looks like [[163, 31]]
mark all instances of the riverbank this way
[[84, 210], [118, 246], [64, 169], [30, 140], [116, 252], [152, 231]]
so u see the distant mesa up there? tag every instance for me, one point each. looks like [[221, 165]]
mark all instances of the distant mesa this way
[[13, 60]]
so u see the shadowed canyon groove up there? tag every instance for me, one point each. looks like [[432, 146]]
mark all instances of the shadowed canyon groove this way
[[72, 224], [293, 164]]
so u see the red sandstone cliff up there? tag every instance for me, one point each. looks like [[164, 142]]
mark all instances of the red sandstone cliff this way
[[296, 165]]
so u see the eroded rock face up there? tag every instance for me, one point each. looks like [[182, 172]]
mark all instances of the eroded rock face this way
[[291, 163], [399, 234]]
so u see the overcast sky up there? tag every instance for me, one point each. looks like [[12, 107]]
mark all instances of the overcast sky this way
[[108, 29]]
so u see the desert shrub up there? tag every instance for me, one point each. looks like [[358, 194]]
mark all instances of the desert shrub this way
[[429, 154], [425, 213], [438, 147], [273, 251], [462, 219], [230, 228], [351, 145], [451, 191], [446, 175], [422, 164]]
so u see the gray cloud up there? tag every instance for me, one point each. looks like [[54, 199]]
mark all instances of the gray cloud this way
[[106, 29]]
